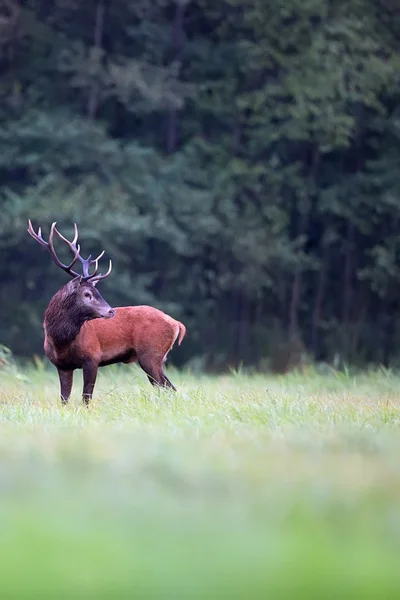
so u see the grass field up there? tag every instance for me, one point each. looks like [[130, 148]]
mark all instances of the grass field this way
[[235, 487]]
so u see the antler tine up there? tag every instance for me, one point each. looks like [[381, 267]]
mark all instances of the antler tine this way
[[94, 261], [72, 244], [99, 256], [50, 247], [64, 239], [74, 248], [37, 236], [85, 262], [99, 277]]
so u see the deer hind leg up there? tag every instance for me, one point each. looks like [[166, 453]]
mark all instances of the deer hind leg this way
[[66, 379], [167, 382], [152, 365]]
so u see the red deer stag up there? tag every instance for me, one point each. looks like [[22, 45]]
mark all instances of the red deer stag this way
[[81, 331]]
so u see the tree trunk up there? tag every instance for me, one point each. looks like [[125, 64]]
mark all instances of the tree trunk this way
[[93, 99], [347, 277], [294, 304], [359, 325], [242, 336], [347, 291], [302, 230], [177, 43], [316, 312]]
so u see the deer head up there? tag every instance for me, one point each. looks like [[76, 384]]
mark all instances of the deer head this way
[[79, 296]]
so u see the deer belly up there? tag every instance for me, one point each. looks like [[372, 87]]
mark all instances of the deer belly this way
[[126, 357]]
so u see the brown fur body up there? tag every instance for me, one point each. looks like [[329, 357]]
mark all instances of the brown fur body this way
[[140, 334], [124, 338]]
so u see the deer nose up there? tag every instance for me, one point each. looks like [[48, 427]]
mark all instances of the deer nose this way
[[111, 313]]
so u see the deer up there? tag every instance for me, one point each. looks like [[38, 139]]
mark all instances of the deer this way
[[82, 331]]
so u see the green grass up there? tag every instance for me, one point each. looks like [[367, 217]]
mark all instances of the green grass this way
[[235, 487]]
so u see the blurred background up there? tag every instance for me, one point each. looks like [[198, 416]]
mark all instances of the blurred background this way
[[239, 161]]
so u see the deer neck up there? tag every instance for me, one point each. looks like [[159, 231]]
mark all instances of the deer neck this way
[[62, 322], [62, 333]]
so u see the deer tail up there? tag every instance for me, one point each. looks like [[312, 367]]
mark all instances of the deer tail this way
[[182, 331]]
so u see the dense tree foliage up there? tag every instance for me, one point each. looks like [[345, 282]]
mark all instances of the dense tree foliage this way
[[238, 159]]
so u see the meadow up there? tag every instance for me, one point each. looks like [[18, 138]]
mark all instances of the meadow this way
[[238, 486]]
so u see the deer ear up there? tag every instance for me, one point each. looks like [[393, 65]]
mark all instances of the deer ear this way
[[72, 285]]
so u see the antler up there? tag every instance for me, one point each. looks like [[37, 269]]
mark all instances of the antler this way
[[50, 247], [85, 262]]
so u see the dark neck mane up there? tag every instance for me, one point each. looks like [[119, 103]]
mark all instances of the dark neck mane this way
[[62, 321]]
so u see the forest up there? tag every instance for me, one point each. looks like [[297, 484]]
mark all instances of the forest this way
[[238, 160]]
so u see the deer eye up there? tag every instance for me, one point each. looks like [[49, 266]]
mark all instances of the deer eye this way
[[87, 295]]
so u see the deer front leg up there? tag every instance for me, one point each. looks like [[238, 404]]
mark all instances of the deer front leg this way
[[89, 379], [66, 379]]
